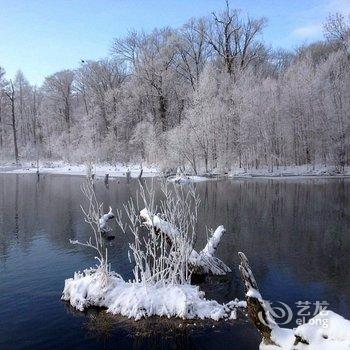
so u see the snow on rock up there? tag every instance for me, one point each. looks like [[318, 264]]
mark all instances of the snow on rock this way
[[137, 300], [325, 331], [204, 261]]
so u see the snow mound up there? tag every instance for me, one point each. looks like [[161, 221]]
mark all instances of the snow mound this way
[[137, 300], [325, 331]]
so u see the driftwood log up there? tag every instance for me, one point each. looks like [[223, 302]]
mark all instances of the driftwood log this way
[[257, 310]]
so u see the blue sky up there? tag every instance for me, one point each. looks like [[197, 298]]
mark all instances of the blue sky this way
[[42, 37]]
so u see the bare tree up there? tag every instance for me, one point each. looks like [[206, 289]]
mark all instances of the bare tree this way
[[95, 79], [193, 50], [235, 40], [2, 84], [337, 30], [58, 88], [151, 58]]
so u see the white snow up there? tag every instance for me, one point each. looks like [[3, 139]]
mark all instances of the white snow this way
[[253, 293], [160, 224], [120, 170], [289, 171], [104, 219], [214, 241], [138, 300], [100, 170], [325, 331], [205, 259], [186, 179]]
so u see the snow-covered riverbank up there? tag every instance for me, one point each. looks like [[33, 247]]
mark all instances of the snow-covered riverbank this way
[[100, 170], [120, 170], [290, 171]]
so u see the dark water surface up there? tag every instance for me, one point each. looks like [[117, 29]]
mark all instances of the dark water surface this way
[[294, 232]]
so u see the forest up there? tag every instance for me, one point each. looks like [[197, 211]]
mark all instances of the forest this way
[[208, 96]]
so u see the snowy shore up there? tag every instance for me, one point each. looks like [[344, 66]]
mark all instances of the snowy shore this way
[[100, 170], [290, 171], [120, 170]]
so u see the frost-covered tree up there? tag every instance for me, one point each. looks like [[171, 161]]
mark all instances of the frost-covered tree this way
[[205, 96]]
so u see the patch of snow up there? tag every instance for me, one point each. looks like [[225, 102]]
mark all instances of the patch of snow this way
[[104, 219], [253, 293], [137, 300], [282, 336], [186, 179], [100, 170], [325, 331], [290, 171], [160, 224]]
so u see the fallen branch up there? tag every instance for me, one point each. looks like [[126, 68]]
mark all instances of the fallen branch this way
[[202, 262], [256, 307]]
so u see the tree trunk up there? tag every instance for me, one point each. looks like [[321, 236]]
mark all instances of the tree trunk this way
[[14, 126], [11, 96], [162, 112], [1, 140]]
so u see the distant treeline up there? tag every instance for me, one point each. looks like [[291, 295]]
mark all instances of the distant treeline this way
[[209, 95]]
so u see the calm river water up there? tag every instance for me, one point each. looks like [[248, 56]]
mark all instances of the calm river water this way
[[295, 232]]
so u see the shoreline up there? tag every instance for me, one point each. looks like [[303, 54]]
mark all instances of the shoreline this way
[[100, 171], [120, 171]]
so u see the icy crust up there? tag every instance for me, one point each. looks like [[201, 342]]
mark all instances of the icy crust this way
[[137, 300], [325, 331]]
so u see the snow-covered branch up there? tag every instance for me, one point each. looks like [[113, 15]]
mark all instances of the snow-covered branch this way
[[202, 262]]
